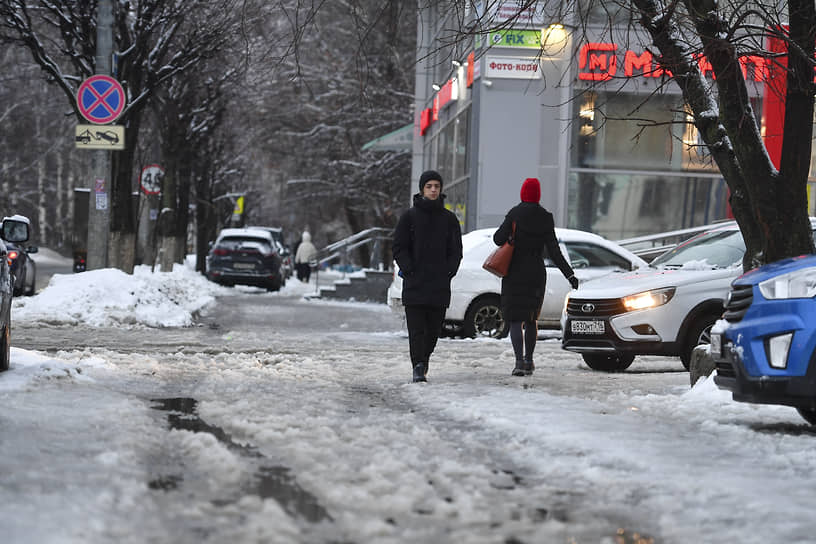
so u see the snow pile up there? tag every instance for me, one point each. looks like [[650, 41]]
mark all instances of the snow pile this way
[[109, 296]]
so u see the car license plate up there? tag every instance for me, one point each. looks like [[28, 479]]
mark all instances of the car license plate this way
[[716, 345], [244, 266], [588, 327]]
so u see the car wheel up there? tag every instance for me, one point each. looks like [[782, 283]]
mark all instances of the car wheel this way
[[4, 349], [808, 414], [29, 289], [484, 319], [699, 333], [17, 288], [274, 286], [608, 362]]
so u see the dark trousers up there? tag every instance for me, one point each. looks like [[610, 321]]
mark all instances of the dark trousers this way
[[424, 327], [304, 271]]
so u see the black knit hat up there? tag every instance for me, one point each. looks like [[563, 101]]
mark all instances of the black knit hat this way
[[427, 176]]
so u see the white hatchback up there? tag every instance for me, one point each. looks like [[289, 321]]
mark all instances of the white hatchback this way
[[475, 309]]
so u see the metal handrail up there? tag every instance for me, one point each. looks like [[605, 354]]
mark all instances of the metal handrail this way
[[341, 248], [656, 244]]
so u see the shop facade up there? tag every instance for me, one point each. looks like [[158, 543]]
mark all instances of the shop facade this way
[[590, 114]]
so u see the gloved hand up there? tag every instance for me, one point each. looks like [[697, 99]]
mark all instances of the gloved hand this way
[[573, 281]]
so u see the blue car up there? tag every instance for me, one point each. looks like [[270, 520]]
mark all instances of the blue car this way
[[765, 346]]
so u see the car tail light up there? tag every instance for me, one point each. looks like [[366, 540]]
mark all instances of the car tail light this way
[[11, 256], [220, 252]]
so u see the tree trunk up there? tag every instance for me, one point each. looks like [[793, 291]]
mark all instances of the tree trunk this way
[[760, 197]]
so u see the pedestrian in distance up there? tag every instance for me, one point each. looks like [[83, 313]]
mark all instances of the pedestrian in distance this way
[[305, 254], [523, 288], [427, 247]]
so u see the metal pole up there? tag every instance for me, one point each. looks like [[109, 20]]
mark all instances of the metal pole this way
[[100, 182]]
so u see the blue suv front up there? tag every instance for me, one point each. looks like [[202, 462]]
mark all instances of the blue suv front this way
[[765, 346]]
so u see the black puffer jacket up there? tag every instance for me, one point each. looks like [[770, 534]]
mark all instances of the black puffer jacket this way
[[428, 249], [524, 286]]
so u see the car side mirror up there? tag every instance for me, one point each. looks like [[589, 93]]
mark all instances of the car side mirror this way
[[32, 249], [15, 229]]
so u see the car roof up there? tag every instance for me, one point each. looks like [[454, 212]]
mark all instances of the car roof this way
[[245, 233], [475, 237], [270, 229]]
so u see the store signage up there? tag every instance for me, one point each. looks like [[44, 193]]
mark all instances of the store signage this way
[[501, 12], [448, 92], [516, 38], [512, 67], [425, 121], [599, 62], [471, 60]]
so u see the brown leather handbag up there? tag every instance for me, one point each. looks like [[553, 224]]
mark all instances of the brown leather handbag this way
[[498, 262]]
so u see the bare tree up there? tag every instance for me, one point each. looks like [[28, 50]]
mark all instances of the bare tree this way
[[341, 75], [156, 41]]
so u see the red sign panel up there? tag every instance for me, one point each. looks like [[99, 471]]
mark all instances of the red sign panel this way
[[425, 121]]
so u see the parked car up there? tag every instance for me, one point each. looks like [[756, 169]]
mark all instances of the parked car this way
[[23, 268], [15, 229], [764, 346], [666, 309], [287, 259], [247, 256], [475, 309]]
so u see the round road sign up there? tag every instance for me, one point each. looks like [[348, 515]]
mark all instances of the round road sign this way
[[151, 179], [100, 99]]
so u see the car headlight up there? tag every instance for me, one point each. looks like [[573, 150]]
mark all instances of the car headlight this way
[[648, 299], [797, 284]]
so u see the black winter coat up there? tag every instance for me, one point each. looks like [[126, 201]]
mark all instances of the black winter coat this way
[[428, 249], [524, 286]]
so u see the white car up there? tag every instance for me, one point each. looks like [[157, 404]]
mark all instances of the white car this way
[[475, 308], [666, 309]]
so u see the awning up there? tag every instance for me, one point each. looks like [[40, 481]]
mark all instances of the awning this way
[[399, 140]]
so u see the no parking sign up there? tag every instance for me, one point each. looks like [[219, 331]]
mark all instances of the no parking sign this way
[[101, 99]]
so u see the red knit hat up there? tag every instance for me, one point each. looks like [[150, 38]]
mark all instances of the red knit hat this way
[[530, 190]]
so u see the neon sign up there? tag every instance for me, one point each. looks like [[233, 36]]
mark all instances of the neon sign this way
[[598, 61]]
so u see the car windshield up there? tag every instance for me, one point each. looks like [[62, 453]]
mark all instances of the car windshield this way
[[246, 244], [714, 249]]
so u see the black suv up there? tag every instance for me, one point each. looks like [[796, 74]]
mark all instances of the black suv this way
[[23, 268], [245, 256], [15, 229]]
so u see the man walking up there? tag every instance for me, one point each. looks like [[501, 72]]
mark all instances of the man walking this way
[[428, 249]]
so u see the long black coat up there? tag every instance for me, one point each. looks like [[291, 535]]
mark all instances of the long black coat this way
[[524, 286], [428, 249]]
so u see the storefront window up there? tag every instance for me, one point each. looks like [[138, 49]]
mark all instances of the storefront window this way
[[603, 12], [456, 200], [636, 132], [460, 159], [622, 205], [448, 149]]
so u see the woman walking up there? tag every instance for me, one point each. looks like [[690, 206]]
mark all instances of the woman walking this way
[[523, 287]]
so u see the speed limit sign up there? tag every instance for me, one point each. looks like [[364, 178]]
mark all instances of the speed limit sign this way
[[151, 179]]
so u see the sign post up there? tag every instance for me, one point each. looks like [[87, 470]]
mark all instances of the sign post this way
[[100, 101]]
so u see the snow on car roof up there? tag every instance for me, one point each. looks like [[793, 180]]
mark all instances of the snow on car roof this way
[[475, 238], [246, 233]]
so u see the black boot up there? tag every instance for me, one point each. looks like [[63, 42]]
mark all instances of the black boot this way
[[519, 369], [419, 373], [528, 367]]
